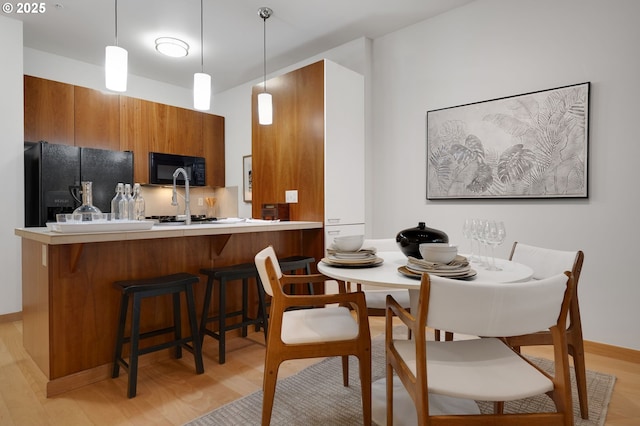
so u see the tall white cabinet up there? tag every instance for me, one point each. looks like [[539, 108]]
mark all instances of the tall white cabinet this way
[[343, 152]]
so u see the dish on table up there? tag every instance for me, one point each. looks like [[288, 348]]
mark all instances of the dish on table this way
[[465, 275], [353, 263]]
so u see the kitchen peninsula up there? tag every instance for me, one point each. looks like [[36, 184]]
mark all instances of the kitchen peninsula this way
[[70, 307]]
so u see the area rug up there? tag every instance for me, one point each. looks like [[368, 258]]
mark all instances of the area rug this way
[[315, 396]]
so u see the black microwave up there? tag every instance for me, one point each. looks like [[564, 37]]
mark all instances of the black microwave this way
[[162, 166]]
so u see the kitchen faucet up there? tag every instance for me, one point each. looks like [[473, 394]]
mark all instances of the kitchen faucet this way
[[174, 197]]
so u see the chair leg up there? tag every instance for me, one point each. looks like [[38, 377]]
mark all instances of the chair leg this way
[[577, 353], [177, 325], [271, 367], [345, 370], [364, 363], [245, 305], [205, 309], [221, 321], [135, 342], [498, 407], [193, 322], [389, 384], [122, 318]]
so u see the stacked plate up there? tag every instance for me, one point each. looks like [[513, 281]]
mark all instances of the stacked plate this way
[[458, 268], [363, 258]]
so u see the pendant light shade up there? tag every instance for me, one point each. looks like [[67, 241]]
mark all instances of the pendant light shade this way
[[201, 91], [115, 68], [265, 102], [201, 81], [265, 109], [115, 63]]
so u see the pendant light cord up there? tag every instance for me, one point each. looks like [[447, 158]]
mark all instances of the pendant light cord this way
[[264, 53], [116, 7], [201, 37]]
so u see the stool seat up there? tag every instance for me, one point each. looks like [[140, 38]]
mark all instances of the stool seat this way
[[174, 285]]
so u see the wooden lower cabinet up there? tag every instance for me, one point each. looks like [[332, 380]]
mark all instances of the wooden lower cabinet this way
[[70, 307]]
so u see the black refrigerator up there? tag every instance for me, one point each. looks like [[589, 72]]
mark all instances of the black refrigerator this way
[[53, 173]]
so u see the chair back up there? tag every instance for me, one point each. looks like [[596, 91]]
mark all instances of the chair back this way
[[381, 244], [492, 309], [265, 255], [547, 262]]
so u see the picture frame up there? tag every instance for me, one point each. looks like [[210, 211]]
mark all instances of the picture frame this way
[[533, 145], [247, 179]]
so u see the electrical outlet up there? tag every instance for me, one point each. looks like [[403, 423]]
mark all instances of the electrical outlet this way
[[291, 196], [200, 201]]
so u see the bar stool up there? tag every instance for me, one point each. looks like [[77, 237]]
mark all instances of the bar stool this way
[[223, 275], [169, 284], [296, 263]]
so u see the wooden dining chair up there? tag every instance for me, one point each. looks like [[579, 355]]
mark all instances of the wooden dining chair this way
[[486, 368], [315, 332], [546, 262]]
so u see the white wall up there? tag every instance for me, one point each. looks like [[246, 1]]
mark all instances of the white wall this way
[[495, 48], [11, 163]]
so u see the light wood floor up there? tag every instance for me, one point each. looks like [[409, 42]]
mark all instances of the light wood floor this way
[[170, 393]]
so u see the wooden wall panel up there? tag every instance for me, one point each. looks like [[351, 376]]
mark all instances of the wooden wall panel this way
[[97, 119], [289, 154], [214, 151], [48, 111]]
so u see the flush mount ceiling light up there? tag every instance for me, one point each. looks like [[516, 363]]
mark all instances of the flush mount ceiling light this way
[[265, 105], [115, 63], [173, 47], [201, 81]]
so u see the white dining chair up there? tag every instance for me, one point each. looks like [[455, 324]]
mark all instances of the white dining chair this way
[[485, 369], [546, 262], [312, 332]]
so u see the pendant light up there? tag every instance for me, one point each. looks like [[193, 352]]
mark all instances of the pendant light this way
[[265, 105], [115, 63], [201, 81]]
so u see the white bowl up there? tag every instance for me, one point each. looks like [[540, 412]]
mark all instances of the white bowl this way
[[348, 242], [438, 252]]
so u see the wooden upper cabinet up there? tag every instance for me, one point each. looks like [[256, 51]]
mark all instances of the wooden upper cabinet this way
[[65, 114], [48, 111], [97, 119], [133, 129], [213, 141]]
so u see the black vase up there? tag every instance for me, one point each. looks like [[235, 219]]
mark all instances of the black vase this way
[[409, 240]]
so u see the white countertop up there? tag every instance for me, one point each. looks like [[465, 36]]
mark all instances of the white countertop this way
[[47, 236]]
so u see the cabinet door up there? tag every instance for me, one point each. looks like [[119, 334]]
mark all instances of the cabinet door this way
[[344, 145], [97, 119], [174, 130], [48, 111], [133, 135], [213, 141]]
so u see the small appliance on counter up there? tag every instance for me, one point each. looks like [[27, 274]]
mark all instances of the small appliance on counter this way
[[275, 211]]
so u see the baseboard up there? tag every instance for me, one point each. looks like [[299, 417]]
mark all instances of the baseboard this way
[[610, 351], [15, 316]]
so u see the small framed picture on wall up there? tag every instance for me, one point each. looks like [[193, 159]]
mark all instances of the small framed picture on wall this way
[[247, 183]]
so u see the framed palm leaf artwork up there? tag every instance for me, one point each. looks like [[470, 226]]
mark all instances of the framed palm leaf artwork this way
[[533, 145]]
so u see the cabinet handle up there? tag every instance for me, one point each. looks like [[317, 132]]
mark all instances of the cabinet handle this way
[[333, 220], [333, 232]]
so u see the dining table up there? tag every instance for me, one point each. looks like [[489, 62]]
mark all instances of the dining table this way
[[391, 272]]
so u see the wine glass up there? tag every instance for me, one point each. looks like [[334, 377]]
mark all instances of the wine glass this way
[[495, 234], [467, 232]]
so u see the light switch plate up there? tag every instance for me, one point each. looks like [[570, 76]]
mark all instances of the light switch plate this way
[[291, 196]]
